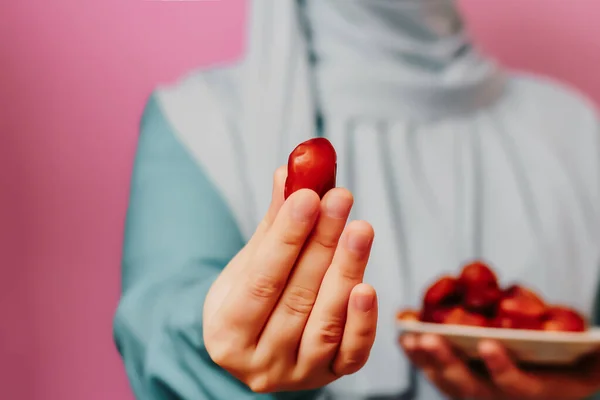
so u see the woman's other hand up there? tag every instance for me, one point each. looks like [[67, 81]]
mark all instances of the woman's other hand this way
[[502, 378], [290, 311]]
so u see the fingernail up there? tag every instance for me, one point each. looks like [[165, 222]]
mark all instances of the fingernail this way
[[485, 348], [337, 206], [304, 208], [364, 302], [358, 242]]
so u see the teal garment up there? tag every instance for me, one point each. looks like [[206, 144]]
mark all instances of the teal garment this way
[[179, 235]]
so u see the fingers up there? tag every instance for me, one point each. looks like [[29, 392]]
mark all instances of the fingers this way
[[227, 278], [419, 357], [325, 326], [266, 273], [455, 378], [238, 262], [359, 332], [286, 324], [506, 375], [575, 382], [444, 368], [427, 362]]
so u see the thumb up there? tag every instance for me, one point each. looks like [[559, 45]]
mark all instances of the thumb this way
[[277, 201], [224, 282]]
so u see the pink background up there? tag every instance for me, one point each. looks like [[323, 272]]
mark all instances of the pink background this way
[[73, 78]]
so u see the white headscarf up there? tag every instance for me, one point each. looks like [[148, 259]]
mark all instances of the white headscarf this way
[[377, 63]]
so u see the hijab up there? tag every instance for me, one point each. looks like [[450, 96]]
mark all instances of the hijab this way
[[377, 63]]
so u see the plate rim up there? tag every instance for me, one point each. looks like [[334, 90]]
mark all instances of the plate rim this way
[[591, 336]]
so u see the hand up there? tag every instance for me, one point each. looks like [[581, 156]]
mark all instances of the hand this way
[[501, 379], [290, 311]]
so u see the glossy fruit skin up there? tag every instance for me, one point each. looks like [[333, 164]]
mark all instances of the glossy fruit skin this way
[[518, 290], [446, 291], [475, 298], [312, 165], [520, 308], [482, 300], [460, 316], [563, 319], [440, 298], [436, 314], [505, 323], [516, 322], [481, 290], [478, 273]]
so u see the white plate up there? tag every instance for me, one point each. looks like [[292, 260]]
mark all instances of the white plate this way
[[528, 346]]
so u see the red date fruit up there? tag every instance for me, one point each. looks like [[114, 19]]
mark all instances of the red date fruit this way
[[563, 319], [444, 292], [518, 291], [505, 322], [482, 300], [480, 284], [478, 274], [443, 295], [408, 315], [520, 309], [312, 165], [475, 298], [436, 315], [460, 316], [517, 322]]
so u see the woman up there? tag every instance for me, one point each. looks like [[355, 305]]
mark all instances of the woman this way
[[442, 153]]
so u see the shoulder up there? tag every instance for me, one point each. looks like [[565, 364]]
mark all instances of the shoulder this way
[[200, 97], [557, 104], [563, 122], [199, 111], [555, 115]]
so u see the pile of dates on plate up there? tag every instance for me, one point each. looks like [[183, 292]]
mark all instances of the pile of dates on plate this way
[[475, 298]]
